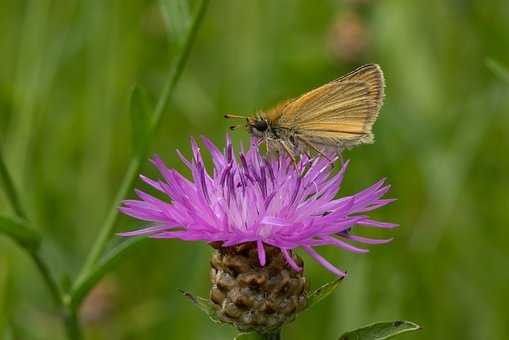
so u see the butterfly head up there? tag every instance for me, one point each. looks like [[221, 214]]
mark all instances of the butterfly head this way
[[258, 126]]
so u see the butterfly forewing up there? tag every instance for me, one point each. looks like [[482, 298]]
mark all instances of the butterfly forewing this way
[[341, 112]]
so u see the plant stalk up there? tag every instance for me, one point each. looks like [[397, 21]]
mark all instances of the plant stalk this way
[[272, 336], [72, 326], [87, 275], [47, 277], [137, 161]]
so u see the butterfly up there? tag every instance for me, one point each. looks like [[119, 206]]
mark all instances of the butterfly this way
[[336, 116]]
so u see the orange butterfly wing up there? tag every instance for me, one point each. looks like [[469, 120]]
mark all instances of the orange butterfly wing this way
[[341, 112]]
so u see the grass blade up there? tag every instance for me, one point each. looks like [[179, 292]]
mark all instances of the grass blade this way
[[177, 18]]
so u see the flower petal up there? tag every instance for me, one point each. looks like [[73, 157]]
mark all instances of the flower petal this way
[[323, 261], [268, 200]]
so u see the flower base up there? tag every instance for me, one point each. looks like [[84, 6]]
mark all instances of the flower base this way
[[253, 297]]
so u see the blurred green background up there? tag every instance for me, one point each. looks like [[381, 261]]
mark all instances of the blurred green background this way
[[66, 68]]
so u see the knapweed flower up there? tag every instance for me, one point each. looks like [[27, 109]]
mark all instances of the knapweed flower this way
[[265, 200], [256, 210]]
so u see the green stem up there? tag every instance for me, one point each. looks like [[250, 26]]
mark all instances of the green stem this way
[[136, 163], [47, 277], [272, 336], [90, 275], [72, 326]]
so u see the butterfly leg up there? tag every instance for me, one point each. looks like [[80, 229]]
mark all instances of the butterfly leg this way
[[288, 151], [312, 146], [340, 155]]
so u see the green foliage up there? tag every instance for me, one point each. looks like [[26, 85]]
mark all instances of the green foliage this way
[[177, 18], [381, 330], [96, 267], [85, 283], [20, 232], [65, 77], [140, 109]]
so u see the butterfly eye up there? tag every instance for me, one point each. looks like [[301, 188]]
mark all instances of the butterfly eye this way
[[261, 125]]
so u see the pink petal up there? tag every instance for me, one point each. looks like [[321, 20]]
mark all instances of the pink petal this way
[[323, 261]]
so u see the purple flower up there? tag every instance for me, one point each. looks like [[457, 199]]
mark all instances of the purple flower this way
[[267, 200]]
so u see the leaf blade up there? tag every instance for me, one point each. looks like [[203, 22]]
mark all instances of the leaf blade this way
[[322, 292], [381, 330], [177, 18]]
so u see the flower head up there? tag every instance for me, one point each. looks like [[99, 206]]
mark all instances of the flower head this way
[[266, 200]]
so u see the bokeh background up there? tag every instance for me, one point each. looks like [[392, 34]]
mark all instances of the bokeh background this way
[[66, 68]]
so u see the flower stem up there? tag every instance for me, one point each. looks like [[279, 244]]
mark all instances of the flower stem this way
[[271, 336], [72, 326]]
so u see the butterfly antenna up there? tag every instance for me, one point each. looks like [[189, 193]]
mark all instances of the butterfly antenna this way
[[234, 127], [230, 116]]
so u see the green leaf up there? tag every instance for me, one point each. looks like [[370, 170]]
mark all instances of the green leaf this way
[[203, 304], [140, 109], [322, 292], [20, 232], [381, 330], [177, 18]]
